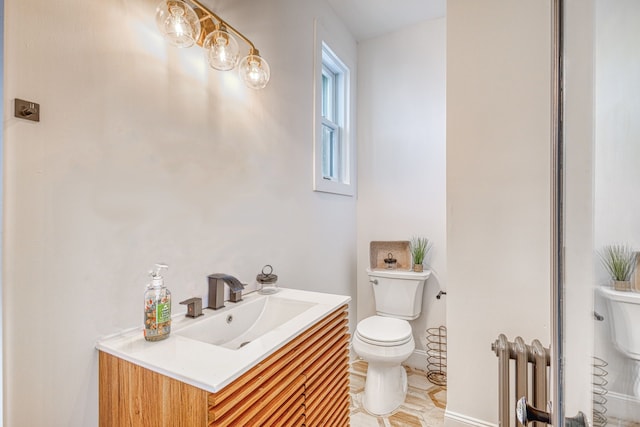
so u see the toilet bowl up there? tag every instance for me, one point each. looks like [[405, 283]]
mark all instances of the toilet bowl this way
[[386, 339], [624, 312], [384, 342]]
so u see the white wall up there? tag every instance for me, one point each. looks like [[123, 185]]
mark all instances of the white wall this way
[[1, 192], [617, 175], [578, 206], [143, 154], [498, 192], [617, 129], [401, 156]]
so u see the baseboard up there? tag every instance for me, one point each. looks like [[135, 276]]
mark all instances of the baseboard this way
[[453, 419], [622, 406], [417, 360]]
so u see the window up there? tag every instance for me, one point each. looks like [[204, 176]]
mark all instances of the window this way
[[331, 121], [333, 158]]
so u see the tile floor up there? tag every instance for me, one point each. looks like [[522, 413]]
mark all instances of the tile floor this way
[[614, 422], [423, 407]]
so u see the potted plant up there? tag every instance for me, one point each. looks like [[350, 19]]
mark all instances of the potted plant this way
[[419, 248], [620, 262]]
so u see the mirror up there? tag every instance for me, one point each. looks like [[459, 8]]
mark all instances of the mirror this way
[[616, 208]]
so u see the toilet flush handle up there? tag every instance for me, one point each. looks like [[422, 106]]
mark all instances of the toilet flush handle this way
[[374, 281]]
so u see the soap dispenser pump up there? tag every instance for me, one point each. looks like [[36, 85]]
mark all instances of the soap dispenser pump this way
[[157, 307]]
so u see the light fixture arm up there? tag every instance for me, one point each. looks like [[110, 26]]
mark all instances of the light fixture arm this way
[[221, 21]]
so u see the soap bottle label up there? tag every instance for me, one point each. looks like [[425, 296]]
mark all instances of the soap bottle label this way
[[163, 312]]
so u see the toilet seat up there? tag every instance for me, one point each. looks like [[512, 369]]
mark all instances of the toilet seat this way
[[384, 331]]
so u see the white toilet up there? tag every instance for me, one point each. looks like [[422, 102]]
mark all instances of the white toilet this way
[[624, 311], [386, 340]]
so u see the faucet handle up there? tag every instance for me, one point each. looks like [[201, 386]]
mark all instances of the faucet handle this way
[[235, 296], [194, 307]]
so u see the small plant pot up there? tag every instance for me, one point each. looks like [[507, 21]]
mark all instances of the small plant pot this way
[[622, 285], [418, 268]]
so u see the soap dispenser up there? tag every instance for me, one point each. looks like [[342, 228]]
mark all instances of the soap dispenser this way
[[157, 307]]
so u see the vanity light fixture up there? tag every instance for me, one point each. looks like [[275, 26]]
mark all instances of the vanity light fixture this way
[[184, 25]]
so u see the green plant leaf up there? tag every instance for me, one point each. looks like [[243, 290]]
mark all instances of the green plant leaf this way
[[619, 260], [420, 247]]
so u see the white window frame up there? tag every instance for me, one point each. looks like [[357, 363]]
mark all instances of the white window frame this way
[[337, 121]]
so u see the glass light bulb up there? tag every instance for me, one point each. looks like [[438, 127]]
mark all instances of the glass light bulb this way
[[222, 50], [177, 22], [255, 71]]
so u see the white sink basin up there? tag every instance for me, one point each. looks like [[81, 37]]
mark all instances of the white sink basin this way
[[210, 352], [240, 324]]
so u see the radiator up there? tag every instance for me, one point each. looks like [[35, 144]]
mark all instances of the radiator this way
[[530, 376]]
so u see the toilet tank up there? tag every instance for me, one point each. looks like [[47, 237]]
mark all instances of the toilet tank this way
[[398, 293], [624, 312]]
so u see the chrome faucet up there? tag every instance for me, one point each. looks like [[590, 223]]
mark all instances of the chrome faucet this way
[[216, 289]]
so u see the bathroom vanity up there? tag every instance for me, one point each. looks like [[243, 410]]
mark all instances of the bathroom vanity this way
[[280, 366]]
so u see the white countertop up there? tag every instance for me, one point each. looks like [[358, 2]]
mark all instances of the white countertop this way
[[211, 367]]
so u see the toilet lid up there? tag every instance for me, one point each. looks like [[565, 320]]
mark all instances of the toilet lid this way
[[384, 331]]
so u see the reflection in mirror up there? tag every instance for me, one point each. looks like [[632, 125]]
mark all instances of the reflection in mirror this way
[[617, 209]]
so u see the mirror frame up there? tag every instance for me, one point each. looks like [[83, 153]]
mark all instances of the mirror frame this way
[[557, 220]]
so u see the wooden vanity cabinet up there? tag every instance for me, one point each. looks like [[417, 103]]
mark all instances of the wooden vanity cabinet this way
[[304, 383]]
